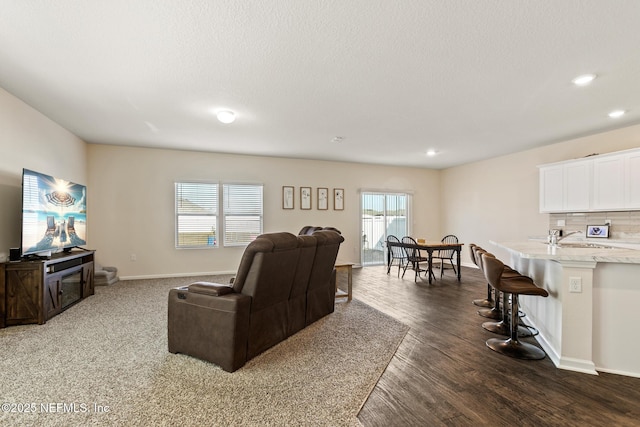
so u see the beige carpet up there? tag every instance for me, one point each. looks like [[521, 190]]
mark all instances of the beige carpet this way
[[105, 362]]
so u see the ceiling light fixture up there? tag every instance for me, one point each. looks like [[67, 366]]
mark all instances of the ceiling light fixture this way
[[431, 153], [617, 113], [337, 139], [583, 80], [226, 116]]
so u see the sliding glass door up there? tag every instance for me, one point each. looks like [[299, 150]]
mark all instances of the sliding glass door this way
[[382, 214]]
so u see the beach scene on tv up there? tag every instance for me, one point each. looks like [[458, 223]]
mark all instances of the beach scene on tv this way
[[54, 213]]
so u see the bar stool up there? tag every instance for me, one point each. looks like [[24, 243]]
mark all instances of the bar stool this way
[[494, 312], [512, 347], [483, 302], [508, 273], [503, 327]]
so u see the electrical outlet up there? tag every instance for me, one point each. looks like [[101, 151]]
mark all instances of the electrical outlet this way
[[560, 223], [133, 257], [575, 284], [607, 222]]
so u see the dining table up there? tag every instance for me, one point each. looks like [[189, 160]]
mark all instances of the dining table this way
[[430, 248]]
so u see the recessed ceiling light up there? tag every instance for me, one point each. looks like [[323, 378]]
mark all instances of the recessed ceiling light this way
[[431, 153], [617, 113], [337, 139], [226, 116], [583, 80]]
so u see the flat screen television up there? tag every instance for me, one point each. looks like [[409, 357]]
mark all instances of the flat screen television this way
[[54, 214]]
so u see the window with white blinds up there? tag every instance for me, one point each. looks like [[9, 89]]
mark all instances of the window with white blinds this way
[[242, 213], [197, 214]]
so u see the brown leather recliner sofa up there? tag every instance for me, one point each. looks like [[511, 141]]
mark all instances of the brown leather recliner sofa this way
[[310, 229], [284, 283]]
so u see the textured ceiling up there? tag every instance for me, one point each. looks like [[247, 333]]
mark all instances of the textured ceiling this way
[[471, 79]]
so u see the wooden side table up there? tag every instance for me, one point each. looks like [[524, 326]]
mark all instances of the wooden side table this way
[[348, 268]]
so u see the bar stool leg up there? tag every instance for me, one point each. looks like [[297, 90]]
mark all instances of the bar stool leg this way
[[485, 302], [492, 313], [512, 347], [503, 327]]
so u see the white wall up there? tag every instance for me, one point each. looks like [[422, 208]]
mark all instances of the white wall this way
[[31, 140], [131, 194], [497, 199]]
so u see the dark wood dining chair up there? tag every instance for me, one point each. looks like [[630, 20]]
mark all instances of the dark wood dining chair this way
[[447, 254], [397, 254], [414, 257]]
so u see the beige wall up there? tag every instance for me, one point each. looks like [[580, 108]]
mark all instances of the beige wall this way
[[497, 199], [131, 191], [130, 200], [33, 141]]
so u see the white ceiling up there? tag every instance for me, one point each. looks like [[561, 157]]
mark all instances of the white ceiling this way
[[472, 79]]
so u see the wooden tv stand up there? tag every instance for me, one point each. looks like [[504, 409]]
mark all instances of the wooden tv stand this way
[[33, 291]]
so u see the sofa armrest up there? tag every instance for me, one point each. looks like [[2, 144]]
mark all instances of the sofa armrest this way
[[208, 288]]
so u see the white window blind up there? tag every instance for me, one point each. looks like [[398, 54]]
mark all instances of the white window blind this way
[[196, 214], [242, 212]]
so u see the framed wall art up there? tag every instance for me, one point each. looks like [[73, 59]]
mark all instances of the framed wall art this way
[[338, 199], [323, 199], [288, 197], [305, 197]]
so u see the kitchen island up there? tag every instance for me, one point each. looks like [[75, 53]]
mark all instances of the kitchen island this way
[[589, 322]]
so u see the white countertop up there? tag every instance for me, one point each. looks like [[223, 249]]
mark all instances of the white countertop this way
[[542, 250]]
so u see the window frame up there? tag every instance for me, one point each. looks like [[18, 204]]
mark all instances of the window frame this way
[[222, 228], [210, 244], [226, 240]]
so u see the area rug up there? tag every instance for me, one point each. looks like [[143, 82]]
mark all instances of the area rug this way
[[105, 362]]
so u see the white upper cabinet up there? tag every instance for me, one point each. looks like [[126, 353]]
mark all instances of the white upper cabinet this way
[[632, 180], [595, 183], [577, 186], [608, 183], [552, 189], [565, 187]]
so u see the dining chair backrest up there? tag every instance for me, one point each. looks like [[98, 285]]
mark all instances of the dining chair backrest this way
[[396, 251], [412, 253], [448, 253]]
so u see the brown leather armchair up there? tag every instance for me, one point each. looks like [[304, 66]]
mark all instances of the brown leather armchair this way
[[280, 276]]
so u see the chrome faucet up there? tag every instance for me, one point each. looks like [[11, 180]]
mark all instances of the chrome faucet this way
[[554, 238]]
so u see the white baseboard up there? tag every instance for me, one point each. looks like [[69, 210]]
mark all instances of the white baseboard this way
[[560, 362], [618, 372], [166, 276]]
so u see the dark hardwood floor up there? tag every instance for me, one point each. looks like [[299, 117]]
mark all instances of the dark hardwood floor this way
[[443, 373]]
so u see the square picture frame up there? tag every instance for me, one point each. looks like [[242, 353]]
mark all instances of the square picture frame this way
[[305, 198], [338, 199], [599, 231], [288, 197], [323, 199]]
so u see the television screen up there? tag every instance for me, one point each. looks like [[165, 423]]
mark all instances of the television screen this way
[[54, 213]]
